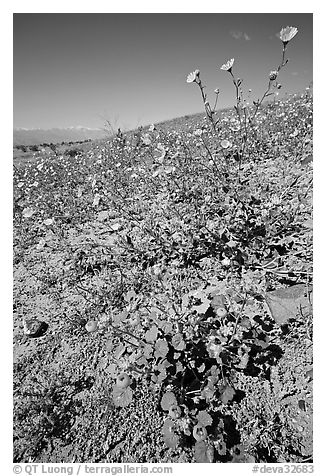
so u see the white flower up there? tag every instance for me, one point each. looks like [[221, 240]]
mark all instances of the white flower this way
[[225, 144], [286, 34], [226, 262], [41, 244], [191, 78], [96, 200], [48, 221], [28, 212], [235, 127], [228, 65], [146, 139], [157, 270]]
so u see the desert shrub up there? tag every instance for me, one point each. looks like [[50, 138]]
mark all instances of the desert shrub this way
[[23, 148], [34, 148], [72, 152]]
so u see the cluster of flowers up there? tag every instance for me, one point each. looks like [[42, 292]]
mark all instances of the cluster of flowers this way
[[285, 35]]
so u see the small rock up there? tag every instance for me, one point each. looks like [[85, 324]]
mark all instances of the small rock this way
[[35, 328]]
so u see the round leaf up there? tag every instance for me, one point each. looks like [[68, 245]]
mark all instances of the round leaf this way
[[168, 400]]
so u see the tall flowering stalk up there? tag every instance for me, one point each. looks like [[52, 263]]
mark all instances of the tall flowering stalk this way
[[194, 77], [285, 35], [237, 83], [240, 109], [244, 116]]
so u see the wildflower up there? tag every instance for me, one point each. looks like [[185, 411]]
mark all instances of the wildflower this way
[[214, 350], [146, 139], [96, 200], [225, 144], [235, 127], [191, 78], [184, 424], [41, 244], [157, 270], [226, 262], [286, 34], [216, 91], [49, 221], [28, 212], [273, 75], [228, 65], [276, 201]]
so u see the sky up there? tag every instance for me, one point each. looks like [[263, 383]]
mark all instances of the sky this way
[[81, 69]]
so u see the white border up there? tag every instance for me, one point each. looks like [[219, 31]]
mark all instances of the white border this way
[[168, 6]]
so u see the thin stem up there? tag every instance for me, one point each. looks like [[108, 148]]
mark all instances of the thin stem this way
[[208, 109]]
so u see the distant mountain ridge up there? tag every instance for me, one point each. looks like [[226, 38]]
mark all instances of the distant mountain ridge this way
[[55, 135]]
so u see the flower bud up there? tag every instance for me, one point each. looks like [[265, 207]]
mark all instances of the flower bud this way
[[273, 75]]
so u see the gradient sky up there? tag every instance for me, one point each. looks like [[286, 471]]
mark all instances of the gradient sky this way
[[81, 69]]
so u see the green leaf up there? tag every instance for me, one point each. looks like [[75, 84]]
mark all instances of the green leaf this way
[[112, 370], [227, 394], [178, 342], [148, 350], [168, 400], [218, 301], [286, 303], [167, 327], [204, 418], [121, 317], [130, 295], [161, 348], [122, 397], [171, 439], [204, 453], [161, 376], [179, 367], [151, 334]]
